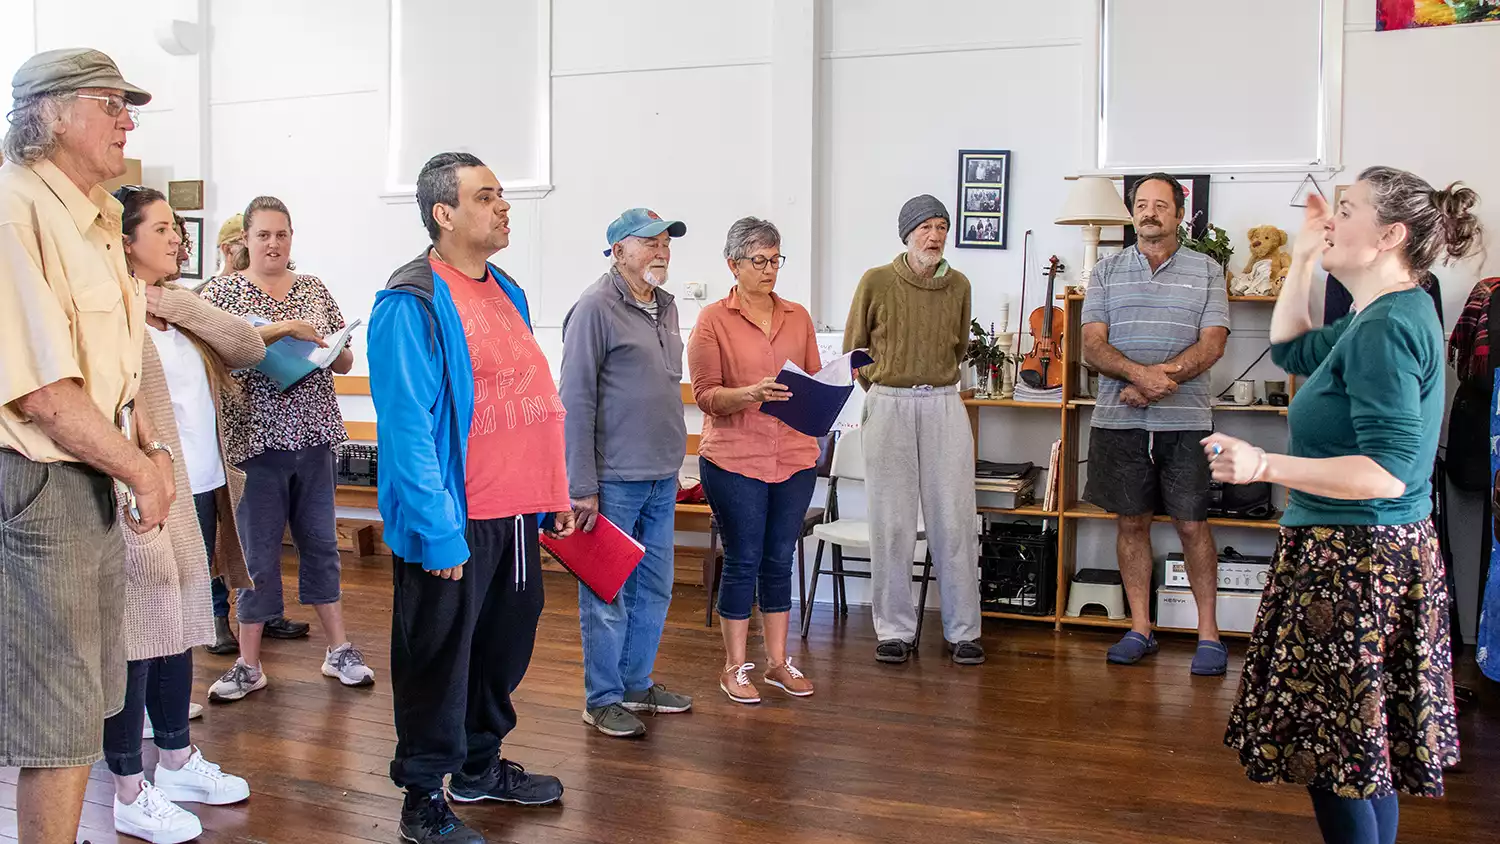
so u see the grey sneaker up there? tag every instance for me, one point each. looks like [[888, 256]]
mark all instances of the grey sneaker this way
[[614, 721], [238, 681], [657, 700], [346, 664]]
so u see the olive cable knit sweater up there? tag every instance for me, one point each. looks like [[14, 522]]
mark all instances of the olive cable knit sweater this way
[[917, 329]]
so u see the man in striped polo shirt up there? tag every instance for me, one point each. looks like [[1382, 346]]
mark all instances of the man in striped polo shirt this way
[[1155, 318]]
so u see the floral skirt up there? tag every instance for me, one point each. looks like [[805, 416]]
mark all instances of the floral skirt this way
[[1348, 681]]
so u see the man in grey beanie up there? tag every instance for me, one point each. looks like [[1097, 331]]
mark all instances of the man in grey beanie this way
[[913, 315]]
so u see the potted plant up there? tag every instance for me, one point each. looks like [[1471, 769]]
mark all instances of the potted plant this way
[[986, 357], [1215, 244]]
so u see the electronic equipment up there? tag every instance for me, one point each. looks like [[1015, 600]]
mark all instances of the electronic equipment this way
[[355, 465]]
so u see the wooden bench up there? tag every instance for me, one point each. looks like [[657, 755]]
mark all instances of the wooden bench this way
[[691, 518]]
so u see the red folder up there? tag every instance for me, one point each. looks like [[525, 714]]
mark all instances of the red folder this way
[[601, 559]]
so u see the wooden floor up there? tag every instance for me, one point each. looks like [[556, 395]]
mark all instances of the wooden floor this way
[[1044, 743]]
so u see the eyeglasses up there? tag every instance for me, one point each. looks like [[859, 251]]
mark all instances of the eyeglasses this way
[[126, 190], [760, 262], [114, 104]]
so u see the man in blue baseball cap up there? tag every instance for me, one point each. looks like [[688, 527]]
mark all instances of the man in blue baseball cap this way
[[621, 384], [642, 223]]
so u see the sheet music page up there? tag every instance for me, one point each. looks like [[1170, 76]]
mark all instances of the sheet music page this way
[[838, 372]]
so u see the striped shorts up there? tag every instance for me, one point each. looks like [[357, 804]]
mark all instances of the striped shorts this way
[[62, 599]]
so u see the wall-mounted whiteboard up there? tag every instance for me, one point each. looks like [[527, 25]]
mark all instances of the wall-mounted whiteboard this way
[[1194, 85], [470, 77]]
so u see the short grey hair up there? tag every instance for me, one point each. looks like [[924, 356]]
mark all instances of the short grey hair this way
[[748, 234], [32, 137]]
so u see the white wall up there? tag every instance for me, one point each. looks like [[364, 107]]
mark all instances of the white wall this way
[[672, 104]]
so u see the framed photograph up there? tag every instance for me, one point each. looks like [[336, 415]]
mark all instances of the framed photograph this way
[[983, 198], [1195, 207], [185, 196], [192, 265]]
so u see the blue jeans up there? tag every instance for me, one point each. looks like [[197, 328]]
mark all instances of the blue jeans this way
[[761, 524], [620, 638]]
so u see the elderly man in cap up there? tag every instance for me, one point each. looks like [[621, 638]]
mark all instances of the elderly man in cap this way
[[72, 321], [913, 316], [621, 385]]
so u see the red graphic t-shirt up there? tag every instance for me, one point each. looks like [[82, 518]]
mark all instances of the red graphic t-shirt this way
[[517, 463]]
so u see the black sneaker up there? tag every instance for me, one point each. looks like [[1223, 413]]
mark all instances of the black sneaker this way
[[893, 650], [507, 782], [282, 627], [426, 819], [966, 652]]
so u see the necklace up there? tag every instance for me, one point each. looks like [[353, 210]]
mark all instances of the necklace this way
[[1389, 288]]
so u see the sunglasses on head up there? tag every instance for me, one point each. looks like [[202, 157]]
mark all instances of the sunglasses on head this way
[[126, 190]]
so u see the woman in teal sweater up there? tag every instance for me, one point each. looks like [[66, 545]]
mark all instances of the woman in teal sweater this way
[[1348, 687]]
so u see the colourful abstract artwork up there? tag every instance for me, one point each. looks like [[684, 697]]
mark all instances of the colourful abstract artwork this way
[[1412, 14]]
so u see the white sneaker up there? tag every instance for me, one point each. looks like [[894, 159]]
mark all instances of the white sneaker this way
[[156, 819], [195, 710], [238, 681], [346, 663], [201, 781]]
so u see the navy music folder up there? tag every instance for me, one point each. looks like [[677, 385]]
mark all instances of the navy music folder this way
[[818, 399]]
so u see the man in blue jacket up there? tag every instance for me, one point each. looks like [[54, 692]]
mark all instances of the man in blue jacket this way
[[471, 436]]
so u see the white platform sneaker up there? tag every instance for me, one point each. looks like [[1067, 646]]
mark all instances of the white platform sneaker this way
[[155, 818], [201, 781]]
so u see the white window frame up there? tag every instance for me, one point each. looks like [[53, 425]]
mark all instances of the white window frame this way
[[398, 190], [1330, 97]]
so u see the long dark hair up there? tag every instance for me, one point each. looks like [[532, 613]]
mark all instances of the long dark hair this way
[[136, 200]]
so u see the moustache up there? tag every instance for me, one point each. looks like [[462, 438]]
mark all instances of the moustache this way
[[1151, 220]]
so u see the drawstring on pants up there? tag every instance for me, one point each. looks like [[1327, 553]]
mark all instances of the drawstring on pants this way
[[520, 555]]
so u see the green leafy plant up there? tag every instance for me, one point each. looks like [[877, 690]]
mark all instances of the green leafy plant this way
[[984, 352], [1215, 244]]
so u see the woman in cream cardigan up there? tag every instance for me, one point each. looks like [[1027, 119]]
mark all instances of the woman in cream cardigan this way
[[167, 609]]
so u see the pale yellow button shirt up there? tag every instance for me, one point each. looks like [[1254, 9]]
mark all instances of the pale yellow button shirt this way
[[69, 307]]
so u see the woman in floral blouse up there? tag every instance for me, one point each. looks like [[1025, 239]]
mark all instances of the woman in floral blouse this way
[[284, 443]]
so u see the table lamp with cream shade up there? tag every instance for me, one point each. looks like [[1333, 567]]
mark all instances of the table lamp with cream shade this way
[[1092, 203]]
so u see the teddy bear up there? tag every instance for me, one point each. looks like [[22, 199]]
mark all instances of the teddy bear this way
[[1266, 244]]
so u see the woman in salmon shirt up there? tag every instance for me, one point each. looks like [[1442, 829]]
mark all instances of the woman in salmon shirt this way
[[757, 473]]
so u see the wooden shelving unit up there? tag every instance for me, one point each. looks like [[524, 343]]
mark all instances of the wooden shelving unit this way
[[1071, 511]]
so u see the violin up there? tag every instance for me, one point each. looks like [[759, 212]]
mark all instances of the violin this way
[[1041, 368]]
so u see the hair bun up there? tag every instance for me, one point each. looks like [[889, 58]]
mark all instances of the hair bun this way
[[1460, 226]]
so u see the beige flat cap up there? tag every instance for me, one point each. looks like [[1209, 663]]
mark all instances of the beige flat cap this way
[[59, 71]]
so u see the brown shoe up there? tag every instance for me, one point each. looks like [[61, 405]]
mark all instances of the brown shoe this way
[[735, 681], [789, 679]]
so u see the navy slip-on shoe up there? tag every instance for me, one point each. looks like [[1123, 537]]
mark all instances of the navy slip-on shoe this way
[[1132, 649], [1211, 659]]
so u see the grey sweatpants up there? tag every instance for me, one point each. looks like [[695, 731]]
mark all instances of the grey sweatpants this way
[[919, 450]]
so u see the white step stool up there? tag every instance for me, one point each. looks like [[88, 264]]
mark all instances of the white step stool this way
[[1099, 587]]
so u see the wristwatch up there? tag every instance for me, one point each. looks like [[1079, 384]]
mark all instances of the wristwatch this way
[[158, 446]]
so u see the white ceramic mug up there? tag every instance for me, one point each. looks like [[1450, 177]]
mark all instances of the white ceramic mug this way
[[1243, 392]]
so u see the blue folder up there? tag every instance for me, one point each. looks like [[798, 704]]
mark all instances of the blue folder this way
[[814, 405]]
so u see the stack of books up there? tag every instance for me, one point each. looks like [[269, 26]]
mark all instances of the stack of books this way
[[1027, 394], [1005, 486]]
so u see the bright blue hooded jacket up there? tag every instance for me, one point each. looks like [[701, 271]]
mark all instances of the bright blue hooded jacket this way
[[422, 382]]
